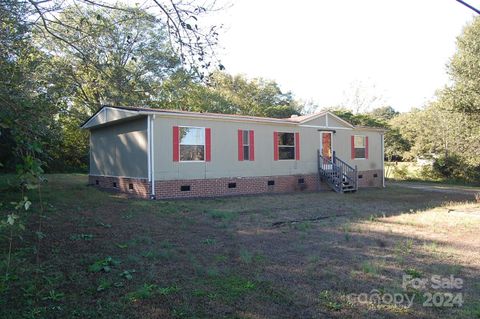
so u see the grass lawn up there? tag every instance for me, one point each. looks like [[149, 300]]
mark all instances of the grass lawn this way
[[108, 256]]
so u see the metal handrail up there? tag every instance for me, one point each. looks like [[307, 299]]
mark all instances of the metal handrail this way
[[336, 159], [336, 172]]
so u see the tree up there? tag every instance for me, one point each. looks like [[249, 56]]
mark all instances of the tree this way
[[384, 113], [27, 109], [434, 131], [193, 39], [359, 119], [232, 94], [396, 145], [464, 70], [129, 57]]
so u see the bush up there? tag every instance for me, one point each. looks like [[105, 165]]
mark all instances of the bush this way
[[426, 172], [400, 171], [453, 167]]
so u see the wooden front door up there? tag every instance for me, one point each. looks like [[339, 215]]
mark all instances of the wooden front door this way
[[326, 144]]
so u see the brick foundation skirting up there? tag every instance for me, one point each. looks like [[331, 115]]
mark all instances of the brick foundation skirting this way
[[137, 187], [371, 178], [217, 187]]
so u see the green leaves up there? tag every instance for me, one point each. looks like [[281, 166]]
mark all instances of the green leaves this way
[[26, 203], [127, 274], [104, 265], [464, 69], [11, 219], [230, 94]]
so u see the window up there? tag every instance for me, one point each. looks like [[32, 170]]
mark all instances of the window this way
[[192, 143], [286, 146], [359, 143], [246, 145]]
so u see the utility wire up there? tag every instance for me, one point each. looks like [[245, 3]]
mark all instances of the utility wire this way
[[469, 6]]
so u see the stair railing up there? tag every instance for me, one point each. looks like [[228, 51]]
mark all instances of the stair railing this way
[[336, 172]]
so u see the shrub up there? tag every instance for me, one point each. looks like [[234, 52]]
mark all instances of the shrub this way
[[454, 167], [426, 172], [400, 172], [448, 166]]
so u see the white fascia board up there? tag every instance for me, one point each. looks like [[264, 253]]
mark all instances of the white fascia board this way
[[326, 127]]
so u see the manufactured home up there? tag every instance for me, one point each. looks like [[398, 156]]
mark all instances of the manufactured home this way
[[160, 154]]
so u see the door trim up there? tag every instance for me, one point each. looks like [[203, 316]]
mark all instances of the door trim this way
[[321, 141]]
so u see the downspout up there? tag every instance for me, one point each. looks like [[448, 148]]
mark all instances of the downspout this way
[[383, 160], [150, 154], [149, 142]]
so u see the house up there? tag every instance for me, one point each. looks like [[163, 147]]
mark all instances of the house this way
[[155, 153]]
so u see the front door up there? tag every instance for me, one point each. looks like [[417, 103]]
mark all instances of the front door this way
[[326, 145]]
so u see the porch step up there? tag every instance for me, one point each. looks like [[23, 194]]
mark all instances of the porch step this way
[[348, 188], [340, 176]]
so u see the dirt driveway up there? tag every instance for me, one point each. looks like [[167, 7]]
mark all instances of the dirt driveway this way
[[455, 189]]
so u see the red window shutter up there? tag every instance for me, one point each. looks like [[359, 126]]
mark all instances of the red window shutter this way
[[275, 146], [240, 145], [176, 144], [252, 145], [353, 147], [297, 146], [208, 145], [366, 147]]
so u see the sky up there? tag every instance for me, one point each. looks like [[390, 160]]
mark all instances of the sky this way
[[395, 51]]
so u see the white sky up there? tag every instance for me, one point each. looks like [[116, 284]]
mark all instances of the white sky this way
[[320, 49]]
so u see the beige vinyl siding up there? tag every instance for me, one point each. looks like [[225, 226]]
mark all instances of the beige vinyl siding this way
[[319, 121], [224, 160], [342, 147], [120, 150], [334, 122]]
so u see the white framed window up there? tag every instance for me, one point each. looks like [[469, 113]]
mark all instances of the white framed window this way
[[246, 145], [286, 146], [192, 144], [360, 146]]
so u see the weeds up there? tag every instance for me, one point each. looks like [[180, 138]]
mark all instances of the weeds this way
[[370, 268], [209, 241], [127, 274], [104, 265], [222, 215], [54, 296], [247, 257], [230, 288], [144, 292], [148, 291], [413, 272], [328, 301], [402, 249], [303, 226], [104, 285], [76, 237]]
